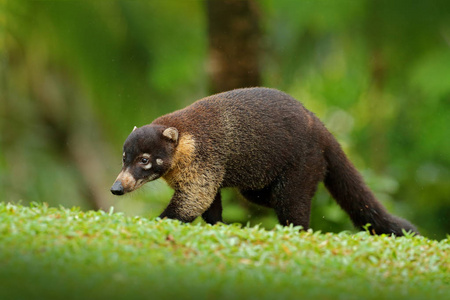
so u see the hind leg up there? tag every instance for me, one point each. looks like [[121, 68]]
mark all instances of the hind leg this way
[[213, 214], [292, 193]]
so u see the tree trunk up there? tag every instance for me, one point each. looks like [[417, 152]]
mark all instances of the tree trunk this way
[[234, 46], [234, 42]]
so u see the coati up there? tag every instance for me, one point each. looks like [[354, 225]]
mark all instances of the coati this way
[[259, 140]]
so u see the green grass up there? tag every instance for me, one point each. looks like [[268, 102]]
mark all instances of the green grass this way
[[57, 253]]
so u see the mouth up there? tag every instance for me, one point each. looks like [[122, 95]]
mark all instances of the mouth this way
[[139, 183], [126, 183], [142, 181]]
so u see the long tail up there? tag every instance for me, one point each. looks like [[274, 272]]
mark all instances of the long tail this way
[[347, 186]]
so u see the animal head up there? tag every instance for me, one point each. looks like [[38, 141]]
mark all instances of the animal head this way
[[147, 155]]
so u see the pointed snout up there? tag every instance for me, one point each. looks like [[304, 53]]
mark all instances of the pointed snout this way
[[117, 188], [124, 183]]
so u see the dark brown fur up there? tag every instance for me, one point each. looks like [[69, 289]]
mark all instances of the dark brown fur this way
[[261, 141]]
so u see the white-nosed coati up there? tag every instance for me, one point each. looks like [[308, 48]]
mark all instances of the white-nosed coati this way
[[261, 141]]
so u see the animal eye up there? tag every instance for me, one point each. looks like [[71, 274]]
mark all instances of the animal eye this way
[[144, 160]]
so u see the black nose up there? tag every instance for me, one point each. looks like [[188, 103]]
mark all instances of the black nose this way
[[117, 188]]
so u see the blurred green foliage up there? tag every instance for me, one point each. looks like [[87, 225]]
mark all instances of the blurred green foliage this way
[[76, 76]]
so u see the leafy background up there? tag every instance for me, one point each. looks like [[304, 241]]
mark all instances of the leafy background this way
[[76, 76]]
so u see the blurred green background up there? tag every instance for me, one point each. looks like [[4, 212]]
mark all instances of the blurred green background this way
[[76, 76]]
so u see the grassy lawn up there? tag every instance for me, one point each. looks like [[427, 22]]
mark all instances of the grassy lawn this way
[[58, 253]]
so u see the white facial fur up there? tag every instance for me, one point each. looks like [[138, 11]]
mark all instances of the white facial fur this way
[[149, 165], [159, 161]]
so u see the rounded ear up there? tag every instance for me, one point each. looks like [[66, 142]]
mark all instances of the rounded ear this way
[[171, 133], [134, 128]]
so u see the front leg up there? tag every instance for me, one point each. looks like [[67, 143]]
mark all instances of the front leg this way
[[213, 214], [196, 186], [186, 206]]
